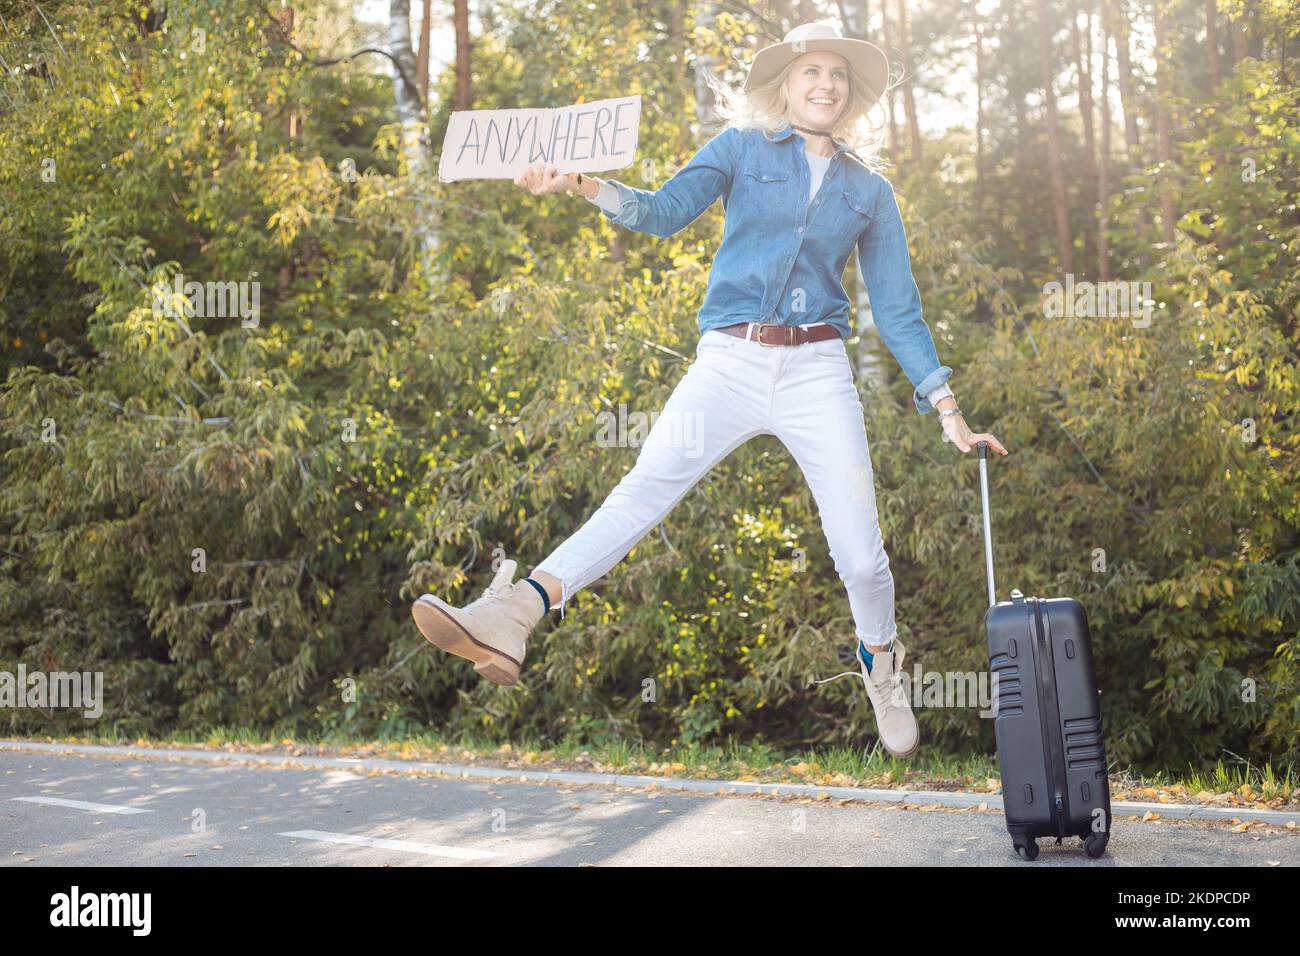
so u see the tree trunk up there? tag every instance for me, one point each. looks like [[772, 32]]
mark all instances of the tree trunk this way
[[979, 107], [1240, 38], [856, 17], [1023, 134], [410, 114], [403, 59], [1060, 211], [422, 60], [704, 63], [287, 116], [677, 42], [1164, 139], [464, 98], [1212, 43], [1127, 99], [909, 101], [895, 150], [1103, 161], [1083, 59]]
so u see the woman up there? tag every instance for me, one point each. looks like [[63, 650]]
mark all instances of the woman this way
[[771, 357]]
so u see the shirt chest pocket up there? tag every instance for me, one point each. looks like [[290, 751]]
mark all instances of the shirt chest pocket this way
[[856, 212], [766, 192], [759, 177]]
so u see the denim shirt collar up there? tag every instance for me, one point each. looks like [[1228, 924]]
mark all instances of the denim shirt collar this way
[[785, 131]]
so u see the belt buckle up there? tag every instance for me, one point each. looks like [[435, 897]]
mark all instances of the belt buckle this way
[[789, 333]]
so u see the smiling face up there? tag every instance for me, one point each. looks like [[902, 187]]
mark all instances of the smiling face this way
[[818, 87]]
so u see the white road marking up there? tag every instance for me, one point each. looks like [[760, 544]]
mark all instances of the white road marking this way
[[427, 849], [81, 805]]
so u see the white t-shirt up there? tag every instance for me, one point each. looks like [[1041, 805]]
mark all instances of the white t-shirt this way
[[817, 165]]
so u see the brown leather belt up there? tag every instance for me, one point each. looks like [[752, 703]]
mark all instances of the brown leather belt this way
[[767, 333]]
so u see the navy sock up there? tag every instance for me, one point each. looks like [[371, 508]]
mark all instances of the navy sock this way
[[546, 598]]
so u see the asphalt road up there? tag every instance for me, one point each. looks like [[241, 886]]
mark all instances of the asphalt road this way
[[58, 809]]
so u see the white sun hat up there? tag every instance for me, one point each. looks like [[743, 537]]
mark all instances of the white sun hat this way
[[867, 61]]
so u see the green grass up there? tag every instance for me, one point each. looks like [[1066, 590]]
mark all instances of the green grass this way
[[834, 766]]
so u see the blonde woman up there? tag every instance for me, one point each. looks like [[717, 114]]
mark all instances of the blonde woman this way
[[771, 358]]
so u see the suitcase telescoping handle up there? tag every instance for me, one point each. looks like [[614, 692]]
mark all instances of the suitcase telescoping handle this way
[[988, 527]]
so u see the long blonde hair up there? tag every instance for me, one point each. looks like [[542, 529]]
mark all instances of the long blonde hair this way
[[861, 125]]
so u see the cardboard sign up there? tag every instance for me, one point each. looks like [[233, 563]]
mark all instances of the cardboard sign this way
[[500, 144]]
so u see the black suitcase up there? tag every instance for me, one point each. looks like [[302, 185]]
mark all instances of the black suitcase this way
[[1048, 717]]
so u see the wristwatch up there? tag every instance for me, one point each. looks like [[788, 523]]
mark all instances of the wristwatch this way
[[948, 413]]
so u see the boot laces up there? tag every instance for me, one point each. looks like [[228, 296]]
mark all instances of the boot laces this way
[[895, 683]]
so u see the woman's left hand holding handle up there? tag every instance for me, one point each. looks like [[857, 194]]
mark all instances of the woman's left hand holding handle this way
[[958, 432]]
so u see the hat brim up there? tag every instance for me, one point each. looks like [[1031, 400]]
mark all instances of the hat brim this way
[[865, 59]]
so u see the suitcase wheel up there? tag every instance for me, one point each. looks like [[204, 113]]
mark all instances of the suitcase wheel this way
[[1095, 845], [1027, 851]]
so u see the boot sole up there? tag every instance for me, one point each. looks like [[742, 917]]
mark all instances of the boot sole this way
[[903, 756], [893, 753], [446, 633]]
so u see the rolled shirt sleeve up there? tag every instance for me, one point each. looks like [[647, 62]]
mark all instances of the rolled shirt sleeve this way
[[608, 199], [886, 268], [933, 397], [684, 197]]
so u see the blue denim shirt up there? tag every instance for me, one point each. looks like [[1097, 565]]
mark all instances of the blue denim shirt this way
[[782, 258]]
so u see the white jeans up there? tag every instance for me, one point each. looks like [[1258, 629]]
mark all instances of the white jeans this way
[[735, 389]]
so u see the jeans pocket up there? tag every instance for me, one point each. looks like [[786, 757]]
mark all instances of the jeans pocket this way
[[715, 339], [832, 348]]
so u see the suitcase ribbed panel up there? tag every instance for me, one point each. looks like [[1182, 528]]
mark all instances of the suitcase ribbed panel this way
[[1084, 747], [1010, 698]]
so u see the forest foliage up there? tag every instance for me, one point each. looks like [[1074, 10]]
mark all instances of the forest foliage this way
[[230, 520]]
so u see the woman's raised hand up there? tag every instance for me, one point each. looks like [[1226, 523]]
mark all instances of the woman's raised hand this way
[[542, 179]]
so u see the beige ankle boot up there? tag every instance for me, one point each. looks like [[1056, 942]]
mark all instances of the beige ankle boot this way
[[895, 721], [492, 631]]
